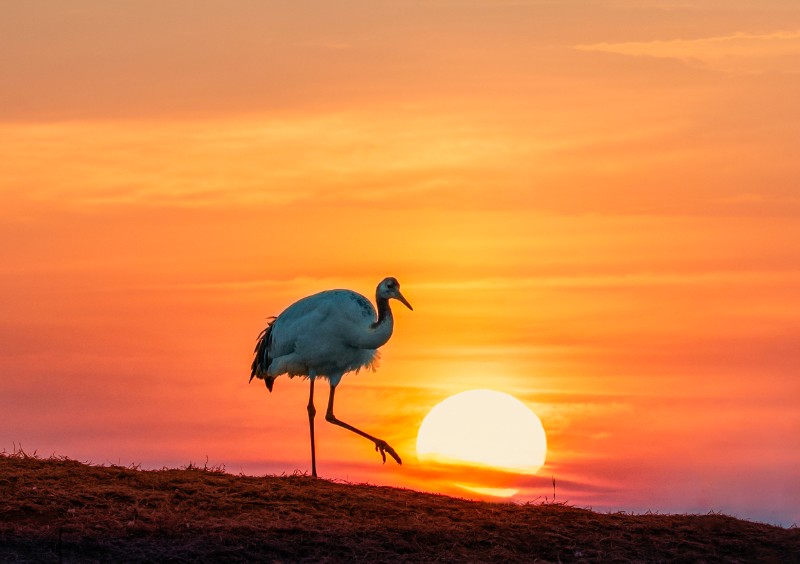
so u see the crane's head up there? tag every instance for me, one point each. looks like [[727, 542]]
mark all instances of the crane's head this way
[[390, 288]]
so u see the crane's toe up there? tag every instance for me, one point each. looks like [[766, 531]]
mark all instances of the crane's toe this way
[[383, 447]]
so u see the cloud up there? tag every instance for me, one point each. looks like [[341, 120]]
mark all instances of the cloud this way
[[737, 53], [329, 159]]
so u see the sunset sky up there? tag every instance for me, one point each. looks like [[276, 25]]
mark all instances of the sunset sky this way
[[592, 205]]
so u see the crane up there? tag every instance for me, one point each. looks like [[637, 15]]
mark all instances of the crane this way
[[327, 335]]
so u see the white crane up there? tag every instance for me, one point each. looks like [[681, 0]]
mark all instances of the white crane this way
[[326, 335]]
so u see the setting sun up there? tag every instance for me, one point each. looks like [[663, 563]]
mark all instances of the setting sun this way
[[483, 428]]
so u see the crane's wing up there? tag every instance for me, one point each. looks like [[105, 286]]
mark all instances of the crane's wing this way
[[262, 356], [315, 327], [335, 306]]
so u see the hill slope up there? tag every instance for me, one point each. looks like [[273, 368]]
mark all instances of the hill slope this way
[[61, 510]]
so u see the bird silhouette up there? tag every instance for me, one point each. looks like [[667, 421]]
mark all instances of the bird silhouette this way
[[327, 335]]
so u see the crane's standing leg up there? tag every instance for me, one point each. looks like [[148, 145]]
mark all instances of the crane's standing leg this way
[[311, 413], [380, 445]]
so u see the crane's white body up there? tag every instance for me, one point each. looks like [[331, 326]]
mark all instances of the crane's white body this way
[[327, 335]]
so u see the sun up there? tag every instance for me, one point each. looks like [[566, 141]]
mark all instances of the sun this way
[[483, 428]]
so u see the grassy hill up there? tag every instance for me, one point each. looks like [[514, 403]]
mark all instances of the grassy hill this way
[[62, 510]]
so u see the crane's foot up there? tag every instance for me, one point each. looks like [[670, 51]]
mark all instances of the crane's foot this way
[[383, 447]]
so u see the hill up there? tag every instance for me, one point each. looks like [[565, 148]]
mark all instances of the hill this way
[[57, 509]]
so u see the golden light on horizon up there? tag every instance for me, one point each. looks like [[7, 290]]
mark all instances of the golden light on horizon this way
[[487, 491], [483, 428]]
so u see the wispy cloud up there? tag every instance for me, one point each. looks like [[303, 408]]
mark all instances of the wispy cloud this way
[[739, 52], [257, 161]]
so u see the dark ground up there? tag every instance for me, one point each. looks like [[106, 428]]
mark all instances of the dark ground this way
[[62, 510]]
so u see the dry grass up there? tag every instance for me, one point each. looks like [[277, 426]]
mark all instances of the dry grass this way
[[62, 510]]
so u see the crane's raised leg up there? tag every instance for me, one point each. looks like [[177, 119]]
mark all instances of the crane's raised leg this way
[[311, 413], [380, 445]]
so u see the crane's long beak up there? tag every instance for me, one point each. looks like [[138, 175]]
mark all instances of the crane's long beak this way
[[404, 301]]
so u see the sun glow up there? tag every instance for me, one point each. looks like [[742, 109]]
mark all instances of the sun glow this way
[[483, 428], [487, 491]]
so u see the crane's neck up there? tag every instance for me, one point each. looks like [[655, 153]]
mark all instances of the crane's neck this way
[[384, 312], [381, 330]]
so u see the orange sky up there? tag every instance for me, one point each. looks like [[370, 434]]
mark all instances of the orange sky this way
[[593, 206]]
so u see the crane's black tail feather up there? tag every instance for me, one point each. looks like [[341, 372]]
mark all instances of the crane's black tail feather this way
[[262, 358]]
